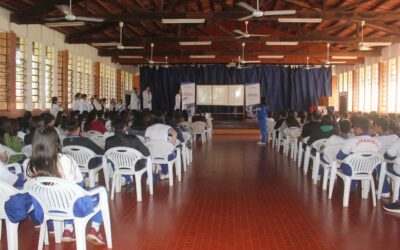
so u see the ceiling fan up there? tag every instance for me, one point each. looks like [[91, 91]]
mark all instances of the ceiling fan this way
[[246, 33], [151, 62], [244, 61], [362, 46], [256, 12], [119, 45], [69, 16], [327, 61]]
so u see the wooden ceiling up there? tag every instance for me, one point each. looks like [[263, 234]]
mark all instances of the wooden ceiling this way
[[142, 26]]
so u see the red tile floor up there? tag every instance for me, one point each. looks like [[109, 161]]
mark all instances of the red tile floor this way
[[238, 195]]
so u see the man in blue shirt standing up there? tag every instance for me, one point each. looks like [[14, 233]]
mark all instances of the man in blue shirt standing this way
[[262, 112]]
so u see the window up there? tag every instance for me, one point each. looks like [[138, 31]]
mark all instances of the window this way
[[49, 83], [355, 89], [113, 83], [392, 88], [60, 75], [88, 73], [350, 91], [20, 73], [3, 70], [375, 87], [79, 75], [345, 82], [36, 55], [70, 81], [368, 89], [383, 88], [340, 82]]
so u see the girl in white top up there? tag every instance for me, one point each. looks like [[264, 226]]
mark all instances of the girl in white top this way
[[147, 98], [178, 100], [55, 108], [47, 160]]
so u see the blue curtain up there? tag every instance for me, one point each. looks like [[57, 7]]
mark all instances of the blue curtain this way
[[294, 88]]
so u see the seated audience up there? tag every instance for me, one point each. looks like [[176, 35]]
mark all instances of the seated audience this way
[[9, 138], [325, 130], [94, 123], [36, 122], [382, 133], [344, 134], [311, 126]]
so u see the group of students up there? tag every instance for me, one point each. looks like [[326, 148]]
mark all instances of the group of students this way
[[48, 134], [359, 134]]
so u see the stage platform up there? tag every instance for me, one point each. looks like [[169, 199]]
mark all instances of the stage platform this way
[[246, 127]]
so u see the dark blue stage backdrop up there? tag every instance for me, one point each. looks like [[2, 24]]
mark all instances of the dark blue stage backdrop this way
[[294, 88]]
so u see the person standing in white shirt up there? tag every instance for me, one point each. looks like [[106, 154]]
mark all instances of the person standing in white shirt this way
[[178, 100], [147, 98], [55, 108], [96, 103], [135, 101], [77, 103]]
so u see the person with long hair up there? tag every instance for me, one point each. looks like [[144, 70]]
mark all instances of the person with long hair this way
[[55, 107], [9, 138], [47, 160], [36, 122]]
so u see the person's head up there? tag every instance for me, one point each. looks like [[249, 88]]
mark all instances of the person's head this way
[[119, 124], [72, 126], [316, 116], [283, 114], [263, 101], [95, 97], [158, 117], [344, 115], [92, 100], [77, 96], [361, 125], [84, 97], [113, 101], [326, 120], [46, 146], [104, 100], [170, 120], [345, 127], [119, 101], [185, 115], [48, 118], [36, 122], [382, 125], [147, 88], [54, 100], [270, 114]]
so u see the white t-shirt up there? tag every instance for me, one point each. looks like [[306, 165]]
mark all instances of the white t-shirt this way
[[135, 102], [55, 108], [386, 141], [394, 149], [360, 144], [178, 99], [147, 97], [6, 175], [69, 168], [335, 140], [97, 105], [158, 132]]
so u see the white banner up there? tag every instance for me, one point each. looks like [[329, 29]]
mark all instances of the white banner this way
[[188, 97], [252, 93]]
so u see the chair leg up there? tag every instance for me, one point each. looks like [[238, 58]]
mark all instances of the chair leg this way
[[58, 230], [42, 235], [113, 184], [105, 213], [138, 180], [396, 186], [1, 225], [106, 173], [306, 160], [332, 180], [346, 192], [325, 180], [382, 176], [315, 169], [171, 175], [92, 180], [150, 176], [12, 235], [184, 156], [178, 165], [80, 234], [373, 191], [299, 156], [365, 189]]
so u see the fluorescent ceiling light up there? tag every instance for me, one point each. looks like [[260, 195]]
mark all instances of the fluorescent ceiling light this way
[[195, 43], [299, 20], [286, 43], [184, 20], [372, 44], [279, 12], [344, 57], [106, 44], [336, 62], [131, 57], [201, 56], [271, 56], [64, 24]]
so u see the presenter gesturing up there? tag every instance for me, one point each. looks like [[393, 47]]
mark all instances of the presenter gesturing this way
[[262, 120]]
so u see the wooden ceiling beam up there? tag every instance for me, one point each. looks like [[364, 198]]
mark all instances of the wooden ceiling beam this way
[[303, 4], [352, 5], [228, 15], [237, 52], [302, 38], [394, 30]]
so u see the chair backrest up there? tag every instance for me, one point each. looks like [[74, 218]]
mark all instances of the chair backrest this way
[[123, 157], [186, 125], [9, 151], [198, 127], [99, 139], [55, 195], [331, 152], [159, 150], [318, 144], [293, 132], [27, 150], [6, 192], [186, 136], [141, 138], [80, 154], [270, 126], [363, 163]]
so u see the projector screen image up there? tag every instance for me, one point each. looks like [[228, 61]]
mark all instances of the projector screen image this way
[[220, 95]]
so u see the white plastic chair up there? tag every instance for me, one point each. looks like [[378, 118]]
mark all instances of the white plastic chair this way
[[280, 141], [394, 178], [275, 137], [270, 131], [82, 156], [300, 150], [10, 152], [124, 160], [97, 137], [141, 138], [362, 165], [159, 151], [292, 134], [209, 129], [186, 125], [189, 150], [57, 197], [329, 155], [27, 150], [12, 228], [199, 128], [316, 159]]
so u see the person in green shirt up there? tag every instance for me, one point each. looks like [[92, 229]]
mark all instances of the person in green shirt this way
[[9, 138]]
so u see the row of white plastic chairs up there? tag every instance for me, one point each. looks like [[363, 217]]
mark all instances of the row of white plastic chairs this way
[[362, 164], [123, 160]]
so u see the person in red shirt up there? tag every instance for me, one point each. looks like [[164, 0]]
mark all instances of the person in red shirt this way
[[93, 123]]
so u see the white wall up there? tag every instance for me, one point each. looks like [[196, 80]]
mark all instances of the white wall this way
[[389, 52], [49, 37]]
